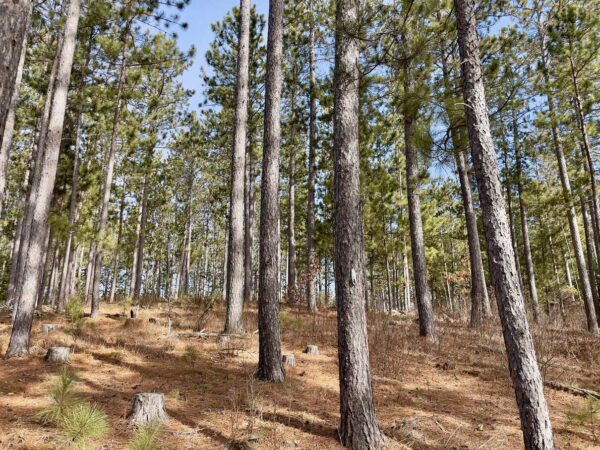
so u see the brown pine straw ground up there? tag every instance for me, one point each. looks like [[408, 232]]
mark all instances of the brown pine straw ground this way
[[455, 394]]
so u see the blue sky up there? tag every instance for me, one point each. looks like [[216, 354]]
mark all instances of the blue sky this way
[[199, 15]]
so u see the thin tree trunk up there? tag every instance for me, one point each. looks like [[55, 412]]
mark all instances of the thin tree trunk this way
[[234, 293], [585, 143], [269, 352], [358, 425], [110, 166], [14, 26], [524, 371], [137, 287], [417, 245], [42, 197], [249, 214], [535, 304], [480, 302], [184, 268], [7, 117], [291, 257], [584, 279], [115, 271], [138, 228], [312, 167]]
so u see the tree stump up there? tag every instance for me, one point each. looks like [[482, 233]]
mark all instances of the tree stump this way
[[288, 360], [146, 408], [311, 350], [58, 355], [48, 327]]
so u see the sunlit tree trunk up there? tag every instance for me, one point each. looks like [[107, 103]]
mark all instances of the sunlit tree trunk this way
[[7, 116], [582, 269], [524, 371], [417, 244], [42, 196], [269, 353], [535, 304], [358, 426], [311, 298], [234, 293]]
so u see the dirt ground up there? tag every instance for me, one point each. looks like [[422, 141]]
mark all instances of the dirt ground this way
[[454, 394]]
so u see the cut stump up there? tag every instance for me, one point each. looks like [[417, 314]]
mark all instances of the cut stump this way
[[311, 350], [48, 327], [58, 355], [146, 408], [288, 360]]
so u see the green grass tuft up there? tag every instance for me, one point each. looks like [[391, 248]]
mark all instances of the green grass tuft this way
[[146, 438]]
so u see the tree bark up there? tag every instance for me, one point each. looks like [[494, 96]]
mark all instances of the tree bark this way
[[584, 279], [234, 293], [358, 425], [249, 213], [184, 267], [480, 301], [19, 340], [139, 260], [291, 225], [311, 297], [110, 166], [535, 304], [7, 117], [269, 353], [524, 371], [115, 271], [417, 245], [16, 16]]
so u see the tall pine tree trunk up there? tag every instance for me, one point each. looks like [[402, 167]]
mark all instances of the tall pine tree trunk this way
[[234, 293], [110, 166], [16, 15], [249, 214], [269, 352], [358, 425], [7, 122], [42, 197], [480, 302], [524, 371], [311, 296], [417, 244], [586, 289], [535, 304], [139, 260]]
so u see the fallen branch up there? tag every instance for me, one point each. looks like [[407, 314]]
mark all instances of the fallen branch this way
[[581, 392], [203, 334]]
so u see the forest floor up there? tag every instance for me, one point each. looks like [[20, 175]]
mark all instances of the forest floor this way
[[454, 394]]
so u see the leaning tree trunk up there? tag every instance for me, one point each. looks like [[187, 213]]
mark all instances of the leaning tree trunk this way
[[311, 297], [16, 15], [358, 425], [7, 123], [234, 293], [269, 352], [110, 166], [584, 279], [417, 245], [524, 371], [41, 198]]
